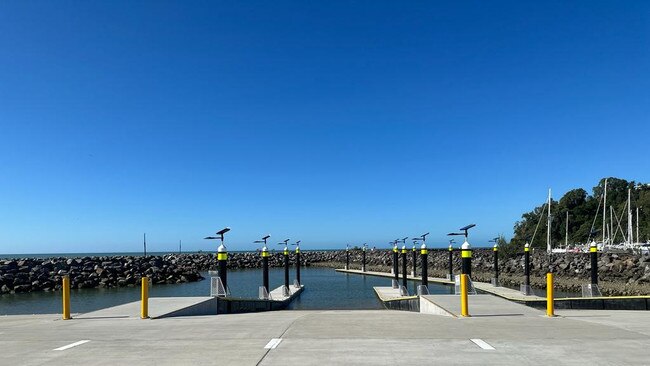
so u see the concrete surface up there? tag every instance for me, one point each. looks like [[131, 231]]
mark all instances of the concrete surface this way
[[372, 337], [389, 293], [278, 295], [478, 305], [159, 307]]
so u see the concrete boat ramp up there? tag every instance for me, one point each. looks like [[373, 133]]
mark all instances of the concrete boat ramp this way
[[165, 307]]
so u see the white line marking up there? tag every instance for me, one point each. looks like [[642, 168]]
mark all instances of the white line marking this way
[[273, 343], [71, 345], [481, 343]]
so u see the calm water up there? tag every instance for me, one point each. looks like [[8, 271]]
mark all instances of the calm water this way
[[324, 289]]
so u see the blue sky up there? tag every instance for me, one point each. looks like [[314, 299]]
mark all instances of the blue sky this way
[[327, 122]]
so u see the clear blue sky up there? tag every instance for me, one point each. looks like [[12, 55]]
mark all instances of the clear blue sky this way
[[327, 122]]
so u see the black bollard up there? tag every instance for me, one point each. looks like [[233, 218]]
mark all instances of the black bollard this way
[[222, 258], [593, 253], [527, 264], [363, 259], [265, 268], [286, 268], [466, 258], [404, 283], [347, 258], [395, 267], [298, 264], [415, 261], [496, 264], [451, 263], [423, 255]]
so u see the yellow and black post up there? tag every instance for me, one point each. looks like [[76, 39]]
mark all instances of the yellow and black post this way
[[495, 249], [363, 259], [414, 261], [222, 259], [451, 262], [265, 268], [347, 257], [66, 297], [466, 257], [593, 253], [144, 305], [298, 263], [423, 256], [286, 267], [404, 283], [527, 264], [395, 266]]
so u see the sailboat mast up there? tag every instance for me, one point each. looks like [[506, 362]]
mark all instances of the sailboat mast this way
[[604, 210], [548, 224], [637, 225], [629, 217], [566, 238]]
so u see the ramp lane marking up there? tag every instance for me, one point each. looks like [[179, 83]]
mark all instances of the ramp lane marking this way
[[481, 343], [273, 343], [75, 344]]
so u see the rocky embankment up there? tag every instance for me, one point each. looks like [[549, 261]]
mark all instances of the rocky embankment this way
[[619, 274], [26, 275]]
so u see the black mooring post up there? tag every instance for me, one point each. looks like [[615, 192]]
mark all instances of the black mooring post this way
[[363, 259], [415, 262], [404, 283], [395, 266], [298, 265], [286, 268], [451, 262], [423, 255], [593, 253], [466, 257], [222, 258], [347, 258], [496, 265], [527, 264], [265, 268]]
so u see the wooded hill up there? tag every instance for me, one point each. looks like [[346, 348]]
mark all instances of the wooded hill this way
[[583, 208]]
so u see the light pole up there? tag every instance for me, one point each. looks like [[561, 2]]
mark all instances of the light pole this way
[[222, 259], [297, 244], [465, 251], [286, 267], [495, 250], [265, 265], [404, 279], [363, 256], [395, 265]]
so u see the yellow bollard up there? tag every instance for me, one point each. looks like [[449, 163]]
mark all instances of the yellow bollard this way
[[550, 311], [144, 307], [66, 298], [464, 311]]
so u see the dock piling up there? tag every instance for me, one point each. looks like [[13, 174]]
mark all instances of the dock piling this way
[[395, 267], [265, 268], [424, 258], [404, 283], [286, 269], [593, 253], [466, 257], [298, 264], [347, 257], [222, 259], [451, 262], [363, 259], [415, 261], [526, 290], [495, 249]]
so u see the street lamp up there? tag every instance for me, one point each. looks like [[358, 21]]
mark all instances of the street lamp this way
[[465, 251], [222, 259]]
